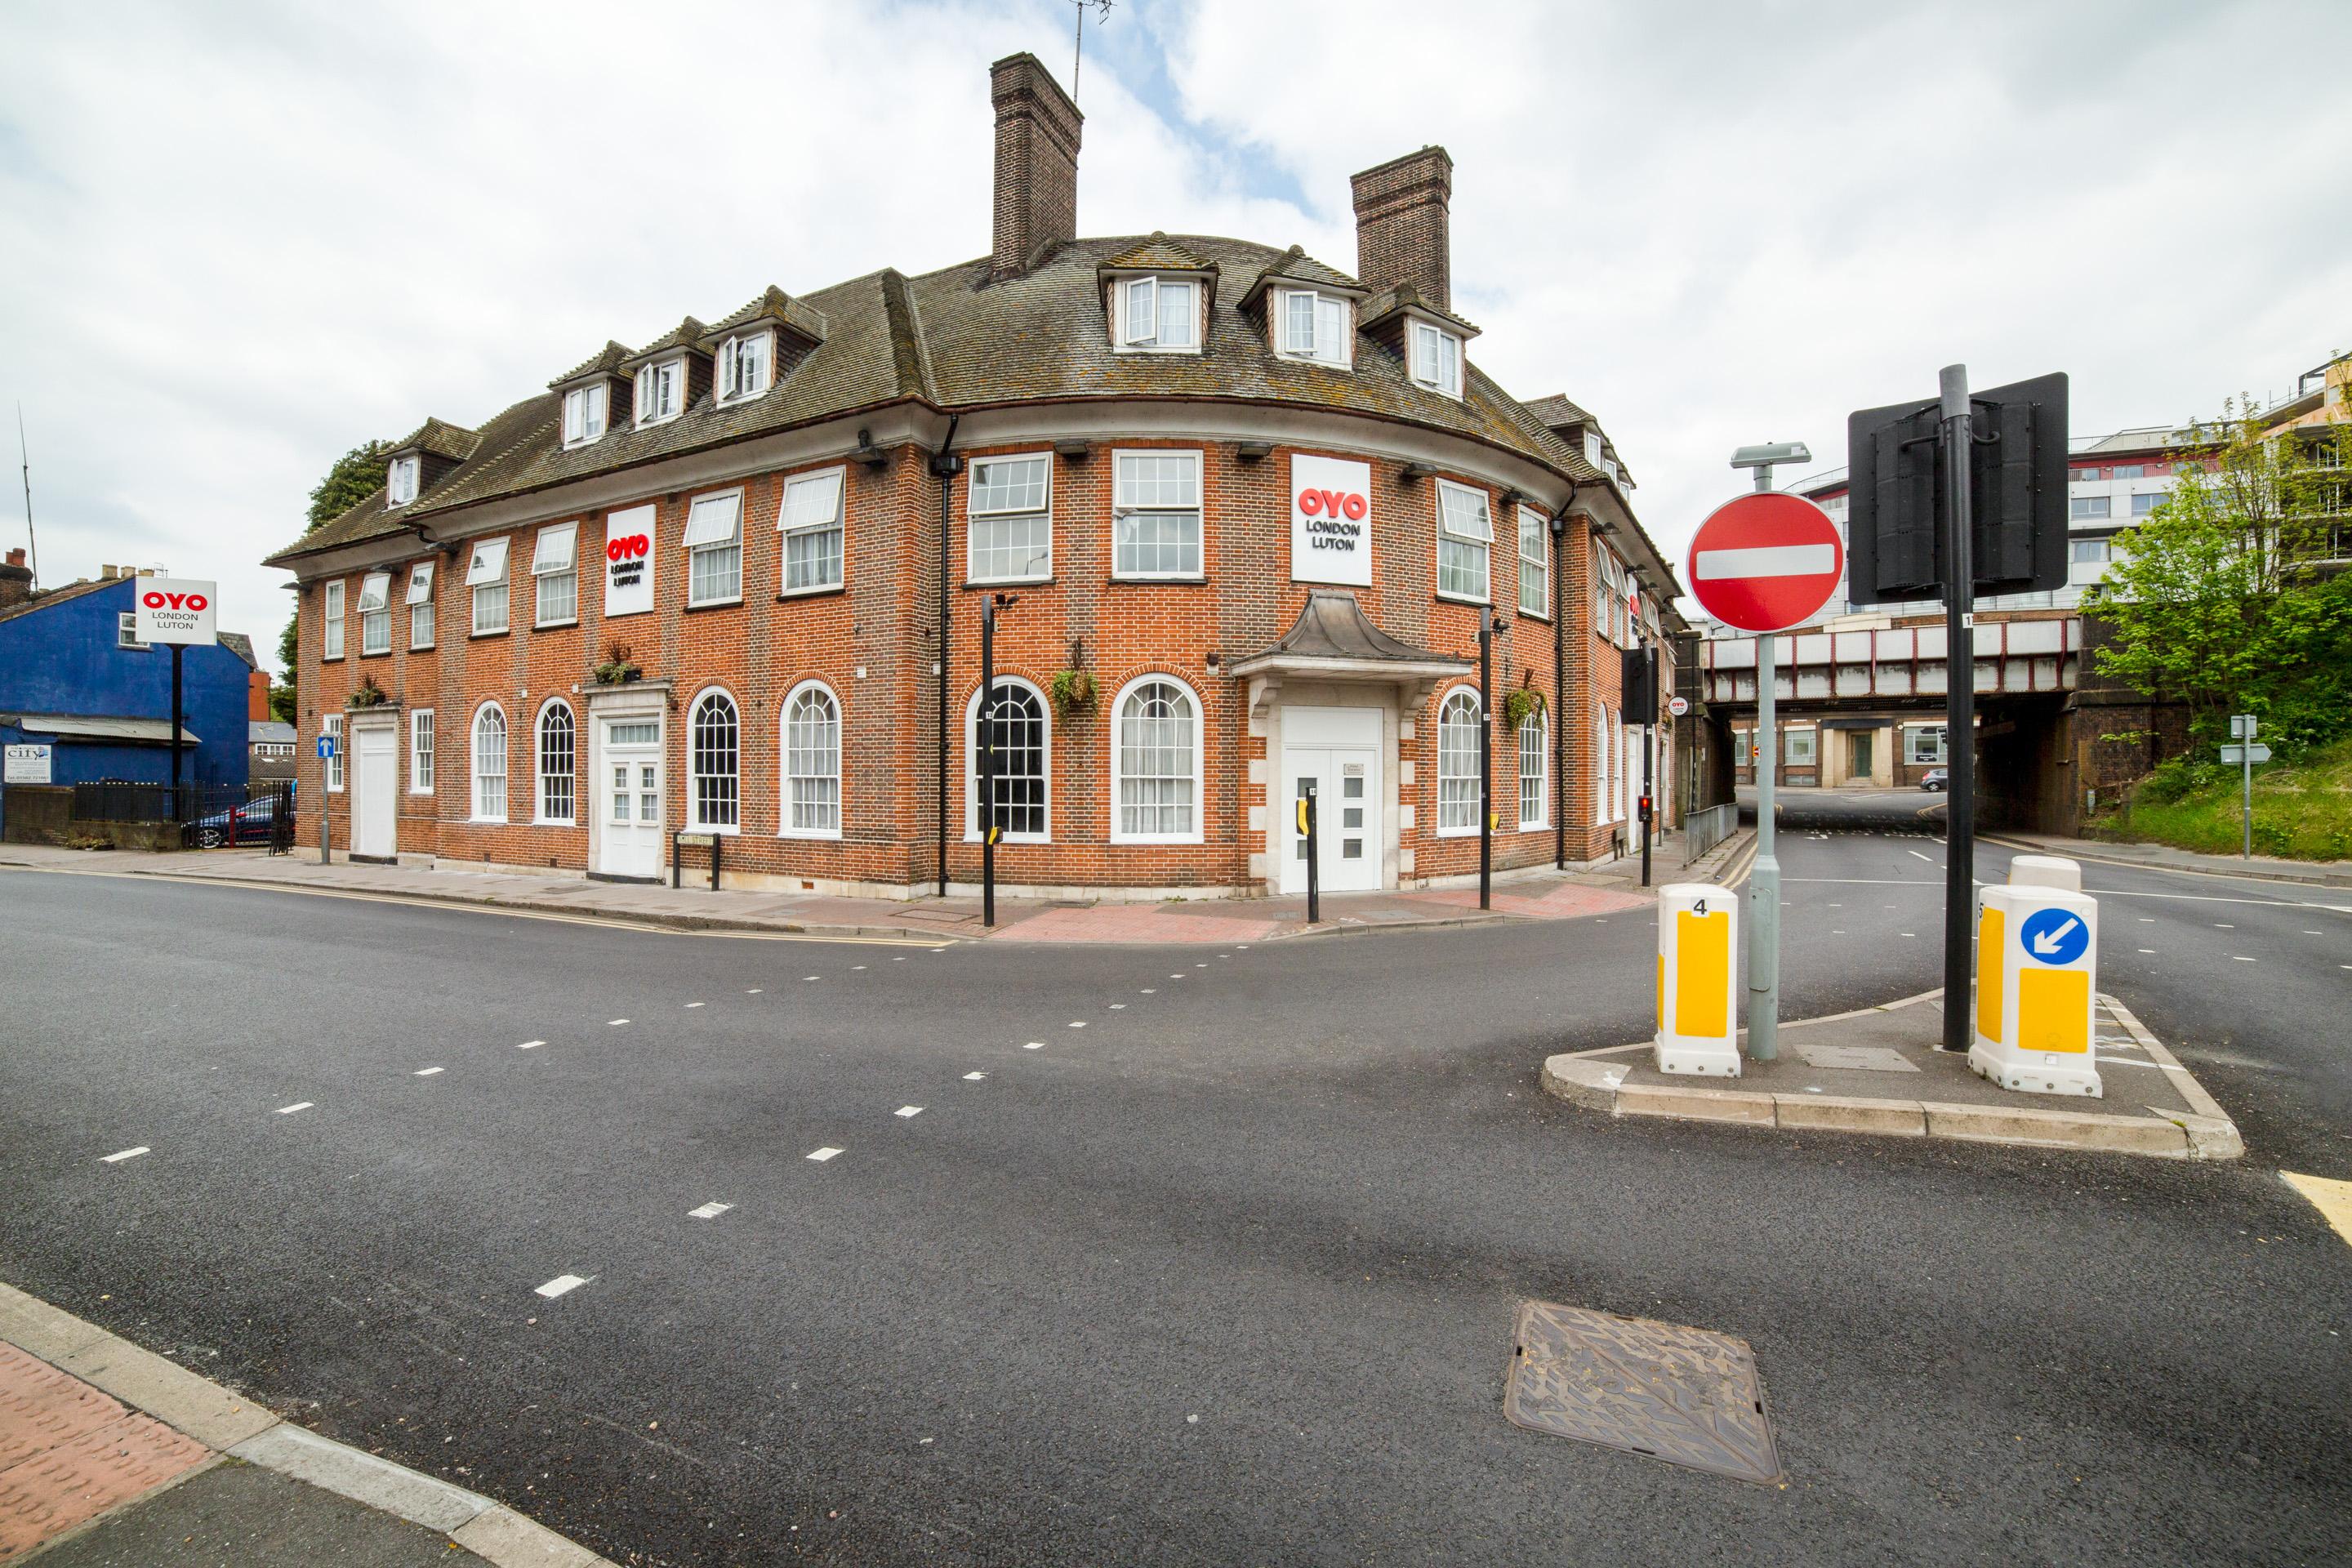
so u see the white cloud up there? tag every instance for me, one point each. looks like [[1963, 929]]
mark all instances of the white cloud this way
[[241, 239]]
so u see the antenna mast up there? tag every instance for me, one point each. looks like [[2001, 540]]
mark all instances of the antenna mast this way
[[1078, 36], [24, 458]]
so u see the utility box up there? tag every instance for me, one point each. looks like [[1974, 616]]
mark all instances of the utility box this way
[[1698, 978], [2037, 982]]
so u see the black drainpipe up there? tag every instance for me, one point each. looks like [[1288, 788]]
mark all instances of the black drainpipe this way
[[946, 465], [1560, 680]]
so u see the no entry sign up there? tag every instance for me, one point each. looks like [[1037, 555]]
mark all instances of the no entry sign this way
[[1766, 562]]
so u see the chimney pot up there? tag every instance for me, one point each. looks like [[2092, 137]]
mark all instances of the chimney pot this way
[[1403, 233], [16, 581], [1037, 128]]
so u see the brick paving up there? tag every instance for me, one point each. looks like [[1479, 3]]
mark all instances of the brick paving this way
[[68, 1453]]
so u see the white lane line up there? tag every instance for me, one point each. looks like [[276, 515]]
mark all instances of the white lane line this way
[[2218, 926], [900, 958], [1078, 1024], [855, 967], [615, 1023], [561, 1284], [2149, 950], [2148, 919], [143, 1148], [694, 1004], [1765, 560], [1119, 1007], [708, 1211], [1151, 990], [753, 991], [1910, 933], [1175, 977], [908, 1110], [1916, 855], [426, 1072], [1203, 964], [297, 1105], [1243, 947], [2312, 933], [822, 1155], [974, 1077], [530, 1045], [812, 977], [1035, 1046], [2239, 958]]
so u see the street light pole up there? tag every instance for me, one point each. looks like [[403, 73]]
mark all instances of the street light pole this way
[[1485, 759], [1959, 713], [985, 810]]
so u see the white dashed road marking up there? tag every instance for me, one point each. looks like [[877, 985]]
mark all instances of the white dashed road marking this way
[[812, 977], [1035, 1046], [754, 990], [615, 1023], [530, 1045], [974, 1077], [560, 1285], [694, 1004], [708, 1211], [2239, 958], [822, 1155], [854, 967], [426, 1072], [1077, 1022], [908, 1110], [143, 1148], [1149, 990], [1916, 855], [1119, 1007], [297, 1105], [2149, 950]]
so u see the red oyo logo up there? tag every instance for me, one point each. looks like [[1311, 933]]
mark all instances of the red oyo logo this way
[[635, 547], [1333, 503], [155, 599]]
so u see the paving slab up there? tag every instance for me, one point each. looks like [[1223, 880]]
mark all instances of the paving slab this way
[[236, 1514]]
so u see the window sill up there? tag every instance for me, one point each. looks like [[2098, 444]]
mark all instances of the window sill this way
[[486, 821], [735, 603], [972, 838], [323, 658], [741, 398], [649, 424], [823, 591], [1528, 614], [483, 636], [553, 625], [811, 834], [584, 441], [379, 653], [1486, 600], [554, 822], [1438, 391], [1338, 365], [1458, 833], [1045, 582], [1192, 349], [1182, 580], [421, 793], [420, 647], [1126, 838], [734, 832]]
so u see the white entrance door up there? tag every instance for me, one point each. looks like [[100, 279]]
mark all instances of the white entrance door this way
[[376, 777], [629, 798], [1339, 750]]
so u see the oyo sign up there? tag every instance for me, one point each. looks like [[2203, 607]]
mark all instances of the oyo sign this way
[[176, 610], [629, 562], [1330, 520], [1766, 562]]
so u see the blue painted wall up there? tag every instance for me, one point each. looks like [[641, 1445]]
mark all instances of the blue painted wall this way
[[62, 658]]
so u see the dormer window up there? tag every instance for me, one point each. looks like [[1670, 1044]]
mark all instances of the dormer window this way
[[584, 414], [658, 391], [1592, 453], [1159, 313], [400, 481], [1312, 326], [742, 367], [1437, 358]]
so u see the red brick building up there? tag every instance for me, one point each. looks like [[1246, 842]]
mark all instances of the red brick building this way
[[1245, 512]]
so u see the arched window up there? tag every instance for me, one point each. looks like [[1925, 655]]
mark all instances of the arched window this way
[[489, 764], [1156, 764], [1022, 762], [1534, 754], [556, 754], [1457, 764], [715, 763], [812, 764]]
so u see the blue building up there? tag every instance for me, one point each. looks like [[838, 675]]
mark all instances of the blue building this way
[[74, 679]]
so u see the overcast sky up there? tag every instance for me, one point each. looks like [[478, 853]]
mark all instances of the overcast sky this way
[[237, 239]]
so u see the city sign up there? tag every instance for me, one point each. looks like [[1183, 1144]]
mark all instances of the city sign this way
[[1330, 520], [629, 562], [176, 610], [1766, 562], [26, 764]]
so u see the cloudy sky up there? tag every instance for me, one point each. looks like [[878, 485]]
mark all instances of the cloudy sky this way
[[238, 238]]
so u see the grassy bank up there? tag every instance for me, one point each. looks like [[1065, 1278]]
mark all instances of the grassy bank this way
[[2302, 812]]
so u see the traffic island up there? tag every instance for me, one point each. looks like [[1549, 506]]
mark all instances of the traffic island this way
[[1877, 1071]]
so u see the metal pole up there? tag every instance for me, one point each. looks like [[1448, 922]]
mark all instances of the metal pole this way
[[1559, 691], [1764, 880], [1486, 760], [1648, 778], [1959, 710], [1314, 854], [2246, 799], [175, 730], [987, 811], [326, 837]]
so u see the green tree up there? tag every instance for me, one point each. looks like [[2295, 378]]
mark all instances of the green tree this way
[[2221, 599], [357, 475]]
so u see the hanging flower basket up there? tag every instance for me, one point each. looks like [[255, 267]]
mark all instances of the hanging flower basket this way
[[369, 695], [1073, 690], [1523, 704]]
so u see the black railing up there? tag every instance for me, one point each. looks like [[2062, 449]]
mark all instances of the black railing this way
[[210, 815]]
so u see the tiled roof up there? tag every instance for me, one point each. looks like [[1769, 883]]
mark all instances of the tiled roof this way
[[608, 361], [1158, 254], [1556, 411], [441, 439], [958, 339], [47, 597], [776, 306], [1405, 296], [1295, 266], [240, 645]]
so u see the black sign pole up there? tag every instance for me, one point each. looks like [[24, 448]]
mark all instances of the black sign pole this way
[[1959, 709], [1314, 862], [1486, 760], [986, 813], [1648, 778], [176, 812]]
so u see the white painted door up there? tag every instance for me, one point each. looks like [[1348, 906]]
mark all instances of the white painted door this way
[[629, 798], [376, 775], [1339, 750]]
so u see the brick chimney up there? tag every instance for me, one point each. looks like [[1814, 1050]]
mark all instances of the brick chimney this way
[[1401, 233], [16, 580], [1036, 163]]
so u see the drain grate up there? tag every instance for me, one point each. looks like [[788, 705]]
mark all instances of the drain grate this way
[[1685, 1395]]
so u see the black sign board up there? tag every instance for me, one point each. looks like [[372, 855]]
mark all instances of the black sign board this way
[[2017, 495]]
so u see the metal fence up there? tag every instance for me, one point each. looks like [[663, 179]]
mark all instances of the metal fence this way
[[1703, 830], [210, 815]]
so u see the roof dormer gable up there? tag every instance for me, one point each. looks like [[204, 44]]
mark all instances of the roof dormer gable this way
[[415, 465], [1307, 310], [760, 344], [1432, 340], [1157, 296], [595, 397], [668, 375]]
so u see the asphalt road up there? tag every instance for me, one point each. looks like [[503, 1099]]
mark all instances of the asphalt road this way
[[1226, 1275]]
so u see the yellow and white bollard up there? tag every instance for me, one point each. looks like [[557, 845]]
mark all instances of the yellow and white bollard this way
[[1698, 976], [2038, 980]]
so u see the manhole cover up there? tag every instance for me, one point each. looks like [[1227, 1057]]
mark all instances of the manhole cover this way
[[1683, 1395], [1857, 1058]]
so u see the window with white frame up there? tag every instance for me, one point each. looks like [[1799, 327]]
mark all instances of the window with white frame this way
[[714, 549], [1601, 812], [400, 480], [812, 764], [742, 367], [2083, 509], [1535, 563], [1156, 763], [1466, 534], [1010, 519], [1156, 515], [1535, 753], [420, 605], [1593, 452], [490, 764], [1923, 745], [660, 391], [2129, 470], [555, 575], [811, 523], [1159, 313], [558, 758], [1608, 594], [584, 414], [375, 613], [1312, 326], [714, 757], [1437, 358], [331, 636], [126, 631], [420, 751], [486, 575], [1457, 764], [1021, 738], [2147, 502], [1797, 748], [332, 726]]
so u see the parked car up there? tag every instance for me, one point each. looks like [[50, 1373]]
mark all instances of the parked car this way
[[249, 823], [1937, 780]]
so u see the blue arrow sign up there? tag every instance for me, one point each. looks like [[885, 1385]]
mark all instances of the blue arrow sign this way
[[2053, 936], [326, 745]]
